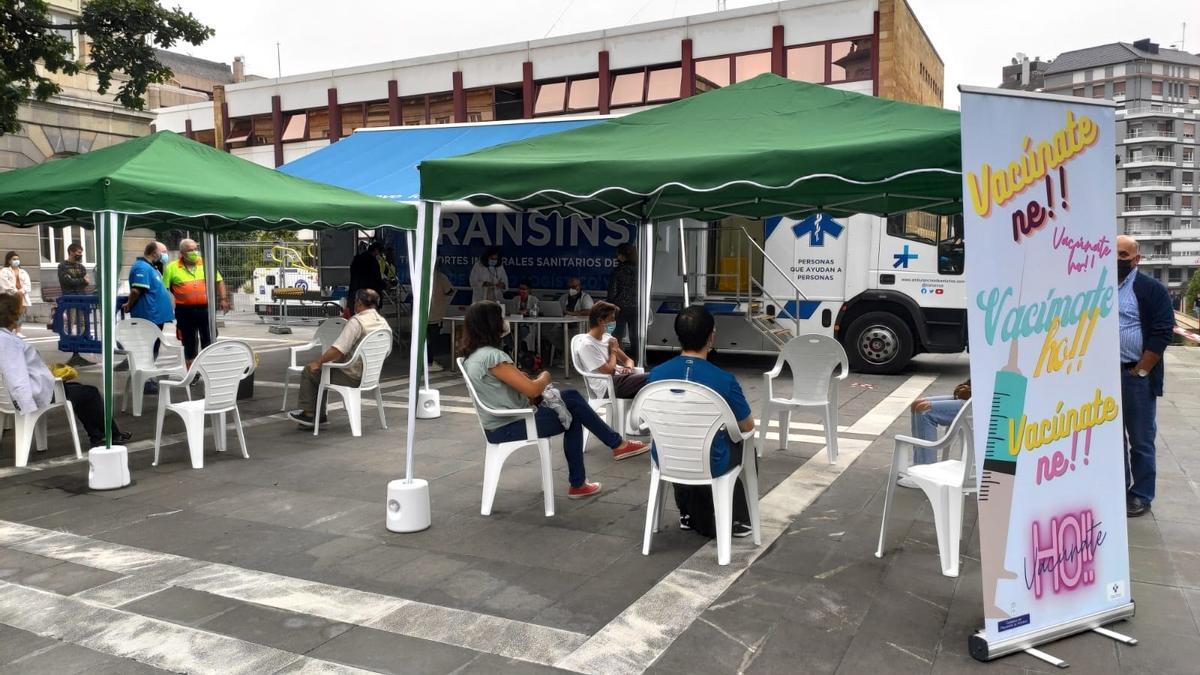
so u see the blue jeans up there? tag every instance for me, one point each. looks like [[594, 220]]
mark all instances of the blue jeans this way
[[548, 425], [925, 426], [1141, 426]]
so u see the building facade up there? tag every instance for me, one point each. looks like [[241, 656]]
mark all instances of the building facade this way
[[869, 46], [1157, 91], [77, 120]]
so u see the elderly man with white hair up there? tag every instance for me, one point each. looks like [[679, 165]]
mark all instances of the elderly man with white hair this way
[[185, 279]]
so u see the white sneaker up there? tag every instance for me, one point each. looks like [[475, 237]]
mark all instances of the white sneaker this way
[[435, 367], [907, 482]]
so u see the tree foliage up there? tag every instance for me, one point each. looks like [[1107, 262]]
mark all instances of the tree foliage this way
[[1189, 296], [123, 36]]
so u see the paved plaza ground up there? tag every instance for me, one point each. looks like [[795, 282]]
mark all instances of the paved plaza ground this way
[[281, 563]]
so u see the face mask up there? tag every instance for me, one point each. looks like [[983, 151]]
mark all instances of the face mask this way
[[506, 330], [493, 263], [1124, 267], [164, 258], [523, 294], [15, 263], [572, 292], [610, 328], [191, 256]]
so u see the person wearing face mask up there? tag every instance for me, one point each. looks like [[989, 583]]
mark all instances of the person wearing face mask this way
[[623, 292], [148, 297], [13, 279], [499, 385], [576, 301], [601, 353], [185, 279], [73, 280], [488, 279], [1147, 320]]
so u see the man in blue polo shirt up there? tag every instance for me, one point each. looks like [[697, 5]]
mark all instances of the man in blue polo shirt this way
[[696, 330], [148, 297]]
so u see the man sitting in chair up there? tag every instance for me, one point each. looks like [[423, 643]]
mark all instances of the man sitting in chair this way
[[601, 353], [696, 330], [365, 320]]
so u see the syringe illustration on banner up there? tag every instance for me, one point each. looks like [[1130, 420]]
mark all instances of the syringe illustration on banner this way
[[999, 476]]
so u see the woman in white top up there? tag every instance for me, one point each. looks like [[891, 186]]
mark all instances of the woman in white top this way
[[488, 278], [600, 352], [13, 279]]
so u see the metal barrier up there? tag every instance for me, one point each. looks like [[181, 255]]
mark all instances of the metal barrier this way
[[78, 323]]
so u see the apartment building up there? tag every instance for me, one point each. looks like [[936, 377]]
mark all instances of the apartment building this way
[[1158, 95]]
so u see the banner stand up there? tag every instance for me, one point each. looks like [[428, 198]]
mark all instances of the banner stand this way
[[982, 650]]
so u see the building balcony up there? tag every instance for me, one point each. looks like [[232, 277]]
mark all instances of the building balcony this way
[[1185, 260], [1138, 110], [1150, 135], [1138, 161], [1156, 259], [1149, 233], [1147, 210], [1186, 234], [1148, 186]]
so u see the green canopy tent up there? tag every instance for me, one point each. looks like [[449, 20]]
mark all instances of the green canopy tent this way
[[765, 147], [165, 181]]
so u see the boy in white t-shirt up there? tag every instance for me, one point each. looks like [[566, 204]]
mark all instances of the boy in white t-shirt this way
[[601, 353]]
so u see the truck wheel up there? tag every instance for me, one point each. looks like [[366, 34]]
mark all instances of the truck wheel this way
[[879, 343]]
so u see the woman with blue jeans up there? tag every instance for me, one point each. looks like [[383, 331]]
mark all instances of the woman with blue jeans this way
[[500, 385], [928, 416]]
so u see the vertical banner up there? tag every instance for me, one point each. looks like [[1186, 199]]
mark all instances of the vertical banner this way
[[1040, 229]]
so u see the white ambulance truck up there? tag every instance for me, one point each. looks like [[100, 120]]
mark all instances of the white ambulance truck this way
[[887, 288]]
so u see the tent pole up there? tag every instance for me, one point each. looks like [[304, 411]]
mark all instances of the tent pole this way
[[412, 274], [687, 300], [210, 280], [110, 228], [645, 272]]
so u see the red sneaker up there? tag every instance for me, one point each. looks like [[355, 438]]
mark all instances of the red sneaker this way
[[588, 489], [630, 449]]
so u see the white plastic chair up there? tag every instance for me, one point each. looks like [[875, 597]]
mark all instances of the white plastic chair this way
[[327, 333], [221, 366], [945, 483], [496, 453], [812, 360], [136, 338], [30, 427], [372, 350], [683, 418], [616, 407]]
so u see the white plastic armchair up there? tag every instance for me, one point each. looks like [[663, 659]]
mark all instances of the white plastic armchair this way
[[326, 334], [813, 360], [945, 483], [136, 338], [684, 418], [30, 427], [495, 454], [372, 350], [221, 366], [617, 417]]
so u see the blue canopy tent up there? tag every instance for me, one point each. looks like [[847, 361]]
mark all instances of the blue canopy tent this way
[[383, 162]]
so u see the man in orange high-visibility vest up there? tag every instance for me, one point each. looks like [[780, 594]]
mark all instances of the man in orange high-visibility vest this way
[[185, 279]]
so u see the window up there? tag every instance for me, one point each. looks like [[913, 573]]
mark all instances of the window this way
[[70, 35], [1189, 129], [1097, 91], [748, 66], [806, 64], [1186, 178], [850, 60], [352, 118], [1189, 154], [294, 127], [378, 114], [206, 136], [550, 98], [1119, 88], [1156, 88], [412, 111], [318, 124], [441, 108], [53, 242], [628, 88], [716, 71], [264, 131], [510, 103], [663, 84], [1193, 91], [239, 130], [1175, 275], [481, 105], [1077, 91], [1185, 201], [944, 232], [584, 94]]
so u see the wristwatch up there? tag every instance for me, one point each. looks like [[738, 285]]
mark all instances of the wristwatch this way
[[1141, 372]]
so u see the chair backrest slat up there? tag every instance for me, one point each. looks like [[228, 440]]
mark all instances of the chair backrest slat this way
[[222, 365], [684, 418], [6, 404], [474, 396], [577, 344], [962, 426], [136, 337], [373, 349], [813, 359], [328, 331]]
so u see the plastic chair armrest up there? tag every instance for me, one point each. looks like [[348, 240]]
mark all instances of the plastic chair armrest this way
[[60, 391], [296, 351], [919, 442]]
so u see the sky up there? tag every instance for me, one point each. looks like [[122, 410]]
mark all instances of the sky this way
[[975, 38]]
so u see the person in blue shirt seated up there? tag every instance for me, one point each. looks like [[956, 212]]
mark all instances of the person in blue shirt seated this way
[[148, 297], [696, 330]]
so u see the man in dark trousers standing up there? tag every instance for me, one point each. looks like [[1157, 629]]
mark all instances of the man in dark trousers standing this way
[[1147, 325], [623, 292], [364, 272]]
